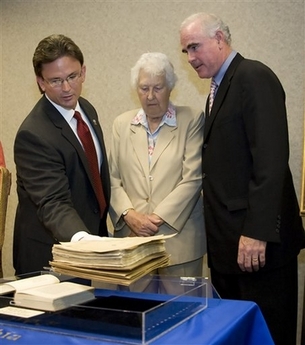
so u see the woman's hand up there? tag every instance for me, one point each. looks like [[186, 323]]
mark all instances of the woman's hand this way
[[142, 224]]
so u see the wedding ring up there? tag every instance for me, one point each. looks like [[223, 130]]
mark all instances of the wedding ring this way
[[254, 259]]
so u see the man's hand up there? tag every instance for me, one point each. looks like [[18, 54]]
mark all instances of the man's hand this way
[[90, 237], [251, 254]]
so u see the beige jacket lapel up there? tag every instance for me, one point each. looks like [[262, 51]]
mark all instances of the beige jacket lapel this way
[[138, 137], [165, 136]]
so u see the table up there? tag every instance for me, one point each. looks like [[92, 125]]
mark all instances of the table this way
[[226, 322]]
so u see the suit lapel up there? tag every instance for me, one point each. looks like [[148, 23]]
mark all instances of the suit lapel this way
[[138, 136], [220, 95], [67, 132], [93, 118], [165, 136], [59, 122]]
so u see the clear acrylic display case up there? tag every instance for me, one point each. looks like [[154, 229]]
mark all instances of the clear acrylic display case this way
[[137, 314]]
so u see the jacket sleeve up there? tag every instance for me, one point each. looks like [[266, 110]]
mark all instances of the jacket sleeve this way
[[264, 115], [42, 177], [119, 198]]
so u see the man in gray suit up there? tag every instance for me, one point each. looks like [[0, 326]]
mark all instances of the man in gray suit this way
[[58, 199], [254, 231]]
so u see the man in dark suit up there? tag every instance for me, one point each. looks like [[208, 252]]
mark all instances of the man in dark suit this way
[[58, 200], [254, 231]]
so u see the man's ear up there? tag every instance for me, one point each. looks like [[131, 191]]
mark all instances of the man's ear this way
[[41, 83], [83, 75], [219, 36]]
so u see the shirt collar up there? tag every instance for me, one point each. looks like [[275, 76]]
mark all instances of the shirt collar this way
[[66, 113], [169, 118], [218, 77]]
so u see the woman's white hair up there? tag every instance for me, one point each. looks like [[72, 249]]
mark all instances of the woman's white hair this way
[[155, 64]]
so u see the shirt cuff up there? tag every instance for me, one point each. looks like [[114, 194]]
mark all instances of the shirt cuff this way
[[78, 236]]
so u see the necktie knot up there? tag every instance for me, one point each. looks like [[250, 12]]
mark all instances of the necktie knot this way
[[77, 115], [82, 129], [212, 93]]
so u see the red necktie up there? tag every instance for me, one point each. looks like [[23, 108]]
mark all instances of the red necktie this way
[[89, 148]]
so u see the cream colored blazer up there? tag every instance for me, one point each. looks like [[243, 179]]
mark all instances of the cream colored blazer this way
[[169, 187]]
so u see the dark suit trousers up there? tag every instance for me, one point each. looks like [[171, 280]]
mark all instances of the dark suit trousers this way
[[275, 292]]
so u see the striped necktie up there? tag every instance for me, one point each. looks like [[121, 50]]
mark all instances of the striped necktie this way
[[212, 94]]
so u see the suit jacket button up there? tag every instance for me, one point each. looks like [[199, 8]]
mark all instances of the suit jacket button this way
[[203, 175], [205, 146]]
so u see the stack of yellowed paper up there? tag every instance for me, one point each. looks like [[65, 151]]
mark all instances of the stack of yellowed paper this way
[[112, 260]]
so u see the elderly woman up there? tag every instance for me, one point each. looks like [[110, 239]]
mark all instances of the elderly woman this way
[[155, 168]]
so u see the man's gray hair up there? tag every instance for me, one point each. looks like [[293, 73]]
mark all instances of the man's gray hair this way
[[210, 24]]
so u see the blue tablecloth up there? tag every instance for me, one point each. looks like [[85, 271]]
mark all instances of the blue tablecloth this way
[[225, 322]]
